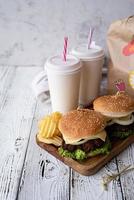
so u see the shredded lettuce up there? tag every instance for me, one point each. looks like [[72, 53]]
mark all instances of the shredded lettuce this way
[[79, 154], [66, 153]]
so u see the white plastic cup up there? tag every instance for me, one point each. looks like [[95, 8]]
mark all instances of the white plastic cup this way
[[64, 82], [92, 61]]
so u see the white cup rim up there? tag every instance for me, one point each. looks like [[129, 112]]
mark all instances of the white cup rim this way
[[67, 67]]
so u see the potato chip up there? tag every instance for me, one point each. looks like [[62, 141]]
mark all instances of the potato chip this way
[[48, 128], [57, 141]]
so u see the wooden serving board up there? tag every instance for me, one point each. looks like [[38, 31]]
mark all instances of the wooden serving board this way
[[91, 165]]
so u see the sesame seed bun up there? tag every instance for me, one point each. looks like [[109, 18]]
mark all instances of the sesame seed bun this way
[[118, 105], [80, 124]]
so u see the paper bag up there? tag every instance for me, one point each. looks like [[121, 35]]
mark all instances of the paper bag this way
[[120, 40]]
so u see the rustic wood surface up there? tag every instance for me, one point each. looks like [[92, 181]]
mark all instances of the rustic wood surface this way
[[29, 173]]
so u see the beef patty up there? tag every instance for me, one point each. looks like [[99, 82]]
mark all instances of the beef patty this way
[[87, 146]]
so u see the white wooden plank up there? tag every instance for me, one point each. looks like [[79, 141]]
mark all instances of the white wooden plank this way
[[44, 177], [90, 188], [127, 180], [6, 76], [17, 108]]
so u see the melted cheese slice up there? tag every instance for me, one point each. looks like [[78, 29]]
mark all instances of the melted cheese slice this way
[[101, 135]]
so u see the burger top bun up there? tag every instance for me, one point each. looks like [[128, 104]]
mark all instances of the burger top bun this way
[[118, 105], [81, 124]]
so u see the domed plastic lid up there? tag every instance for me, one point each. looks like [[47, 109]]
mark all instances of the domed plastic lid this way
[[57, 63], [82, 52]]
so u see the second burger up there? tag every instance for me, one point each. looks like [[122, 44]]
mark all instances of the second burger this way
[[118, 110]]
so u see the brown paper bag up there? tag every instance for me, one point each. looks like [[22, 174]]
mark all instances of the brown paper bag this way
[[120, 41]]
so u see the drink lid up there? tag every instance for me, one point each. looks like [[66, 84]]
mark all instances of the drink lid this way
[[58, 64], [82, 52]]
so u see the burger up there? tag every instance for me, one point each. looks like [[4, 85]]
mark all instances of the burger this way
[[118, 110], [83, 134]]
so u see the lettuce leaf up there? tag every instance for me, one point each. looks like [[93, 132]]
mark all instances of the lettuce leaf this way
[[78, 154], [66, 153]]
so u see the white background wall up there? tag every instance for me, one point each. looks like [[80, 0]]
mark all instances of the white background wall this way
[[32, 30]]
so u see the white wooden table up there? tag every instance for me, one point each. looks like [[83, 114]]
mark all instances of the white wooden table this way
[[30, 173]]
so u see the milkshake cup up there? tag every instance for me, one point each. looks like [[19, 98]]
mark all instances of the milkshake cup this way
[[64, 82], [92, 61]]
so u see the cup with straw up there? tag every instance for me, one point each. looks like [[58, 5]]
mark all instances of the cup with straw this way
[[63, 73], [92, 58]]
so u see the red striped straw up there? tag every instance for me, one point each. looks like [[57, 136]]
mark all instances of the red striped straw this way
[[65, 48], [91, 30]]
